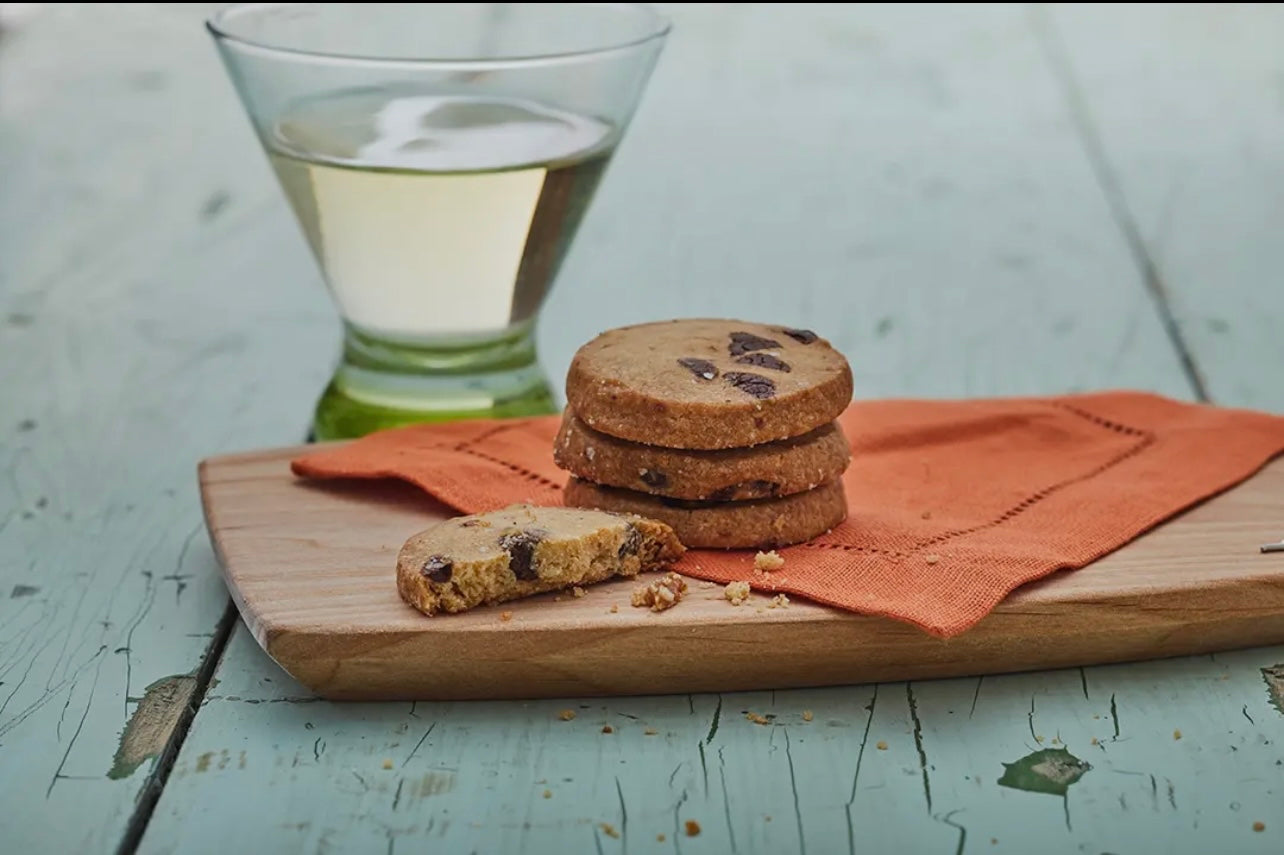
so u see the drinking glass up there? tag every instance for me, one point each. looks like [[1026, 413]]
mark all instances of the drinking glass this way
[[439, 158]]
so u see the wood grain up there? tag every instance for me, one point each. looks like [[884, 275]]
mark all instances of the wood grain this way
[[310, 566]]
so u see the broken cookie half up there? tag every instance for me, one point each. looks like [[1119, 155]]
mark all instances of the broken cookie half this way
[[524, 550]]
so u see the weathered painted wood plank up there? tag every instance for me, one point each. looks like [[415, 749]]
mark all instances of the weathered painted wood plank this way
[[1187, 101], [912, 184], [135, 263]]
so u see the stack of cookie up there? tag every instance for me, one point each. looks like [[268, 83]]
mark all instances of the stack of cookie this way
[[722, 429]]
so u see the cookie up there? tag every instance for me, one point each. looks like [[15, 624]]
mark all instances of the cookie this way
[[733, 474], [524, 550], [724, 525], [707, 384]]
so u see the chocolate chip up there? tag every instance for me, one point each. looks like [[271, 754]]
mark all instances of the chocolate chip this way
[[520, 546], [743, 342], [765, 360], [701, 368], [438, 568], [632, 540], [752, 384], [755, 489], [652, 478], [800, 336]]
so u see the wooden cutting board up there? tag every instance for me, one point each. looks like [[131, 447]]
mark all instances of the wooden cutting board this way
[[311, 568]]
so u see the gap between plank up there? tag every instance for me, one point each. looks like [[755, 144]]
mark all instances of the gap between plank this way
[[1057, 56], [159, 776]]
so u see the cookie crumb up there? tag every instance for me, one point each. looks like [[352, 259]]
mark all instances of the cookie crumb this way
[[662, 594], [881, 745], [566, 715], [609, 830], [704, 586], [578, 592], [505, 616], [1176, 734], [693, 828], [387, 764], [1259, 826], [736, 592], [932, 559], [780, 601], [765, 562], [606, 728], [807, 715], [659, 838], [1056, 740], [548, 794], [615, 608], [757, 719], [1038, 737], [1096, 741], [927, 515], [649, 731]]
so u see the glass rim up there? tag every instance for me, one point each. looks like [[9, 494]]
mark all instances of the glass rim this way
[[659, 27]]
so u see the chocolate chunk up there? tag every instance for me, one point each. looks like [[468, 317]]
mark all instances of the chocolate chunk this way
[[520, 546], [701, 368], [632, 540], [438, 568], [752, 384], [755, 489], [743, 342], [652, 478], [765, 360], [800, 336]]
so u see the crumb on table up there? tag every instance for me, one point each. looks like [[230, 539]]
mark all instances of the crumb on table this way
[[736, 592], [692, 827], [606, 728], [780, 601], [505, 616], [615, 607], [659, 838], [650, 731], [1176, 734], [1096, 741], [664, 593], [931, 558], [548, 794], [757, 719], [578, 592], [387, 764], [927, 515], [807, 716], [609, 830], [1259, 826], [881, 745], [566, 715], [765, 562]]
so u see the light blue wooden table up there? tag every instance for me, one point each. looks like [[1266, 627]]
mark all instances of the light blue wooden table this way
[[970, 201]]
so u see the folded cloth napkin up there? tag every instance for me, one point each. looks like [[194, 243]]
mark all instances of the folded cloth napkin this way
[[951, 504]]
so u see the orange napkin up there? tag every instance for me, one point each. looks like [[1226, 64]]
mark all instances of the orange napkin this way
[[952, 504]]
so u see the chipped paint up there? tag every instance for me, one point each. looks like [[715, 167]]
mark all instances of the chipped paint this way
[[154, 719], [1274, 677], [1051, 771]]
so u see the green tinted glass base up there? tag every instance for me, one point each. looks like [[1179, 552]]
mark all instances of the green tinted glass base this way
[[380, 385]]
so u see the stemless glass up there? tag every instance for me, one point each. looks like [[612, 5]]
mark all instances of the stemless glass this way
[[439, 158]]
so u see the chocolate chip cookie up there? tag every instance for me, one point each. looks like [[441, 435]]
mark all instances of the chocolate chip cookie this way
[[524, 550], [725, 525], [734, 474], [708, 384]]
